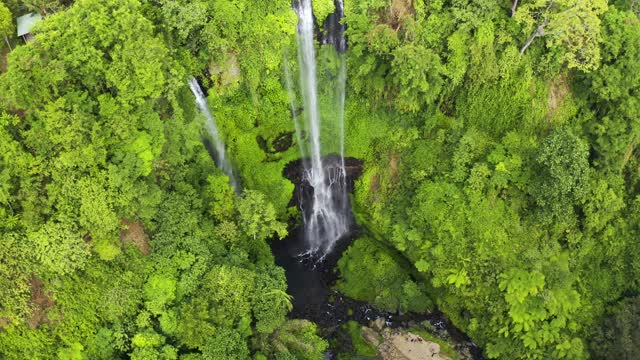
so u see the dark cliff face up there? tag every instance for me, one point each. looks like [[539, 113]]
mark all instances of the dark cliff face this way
[[294, 171], [333, 29]]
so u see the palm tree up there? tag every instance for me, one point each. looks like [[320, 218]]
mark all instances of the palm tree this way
[[281, 297]]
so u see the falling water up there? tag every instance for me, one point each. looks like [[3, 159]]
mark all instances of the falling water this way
[[334, 35], [326, 220], [219, 154], [294, 111], [340, 44]]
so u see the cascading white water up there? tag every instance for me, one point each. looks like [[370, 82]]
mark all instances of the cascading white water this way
[[325, 221], [334, 35], [342, 83], [337, 39], [210, 124], [341, 47]]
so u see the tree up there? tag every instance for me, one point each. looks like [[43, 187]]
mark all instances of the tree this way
[[294, 339], [149, 345], [59, 248], [101, 345], [618, 335], [226, 344], [230, 290], [195, 325], [321, 9], [616, 131], [73, 352], [258, 217], [564, 176], [6, 23], [416, 74], [14, 278], [271, 303], [221, 196], [369, 273], [159, 291], [570, 26], [43, 6]]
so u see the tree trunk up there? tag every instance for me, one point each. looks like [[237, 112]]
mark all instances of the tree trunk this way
[[8, 43], [514, 7], [539, 32]]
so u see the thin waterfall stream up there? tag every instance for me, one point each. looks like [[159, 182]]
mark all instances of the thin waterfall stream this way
[[220, 157]]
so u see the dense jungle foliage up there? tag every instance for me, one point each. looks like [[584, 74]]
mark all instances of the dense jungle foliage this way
[[501, 175]]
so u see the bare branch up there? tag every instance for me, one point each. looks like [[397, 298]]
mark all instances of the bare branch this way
[[7, 41], [539, 32]]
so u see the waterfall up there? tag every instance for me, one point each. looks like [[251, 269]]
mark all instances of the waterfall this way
[[210, 124], [334, 35], [341, 46], [327, 218]]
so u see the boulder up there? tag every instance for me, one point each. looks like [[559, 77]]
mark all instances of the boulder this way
[[408, 346], [378, 323], [370, 336]]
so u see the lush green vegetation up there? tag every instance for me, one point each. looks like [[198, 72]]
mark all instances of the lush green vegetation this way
[[617, 337], [119, 237], [500, 142], [509, 180], [370, 273], [426, 334], [360, 345]]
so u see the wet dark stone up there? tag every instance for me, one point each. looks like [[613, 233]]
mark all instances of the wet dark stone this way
[[281, 143], [297, 112], [294, 171], [262, 143], [333, 29]]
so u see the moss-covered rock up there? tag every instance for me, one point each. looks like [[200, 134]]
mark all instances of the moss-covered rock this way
[[369, 272]]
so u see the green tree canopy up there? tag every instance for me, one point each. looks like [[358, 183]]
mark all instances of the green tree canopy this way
[[572, 27]]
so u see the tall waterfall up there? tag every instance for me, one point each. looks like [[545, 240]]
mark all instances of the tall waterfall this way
[[335, 36], [327, 218], [219, 154]]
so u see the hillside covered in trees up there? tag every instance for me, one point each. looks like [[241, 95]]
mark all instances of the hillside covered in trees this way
[[497, 147]]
